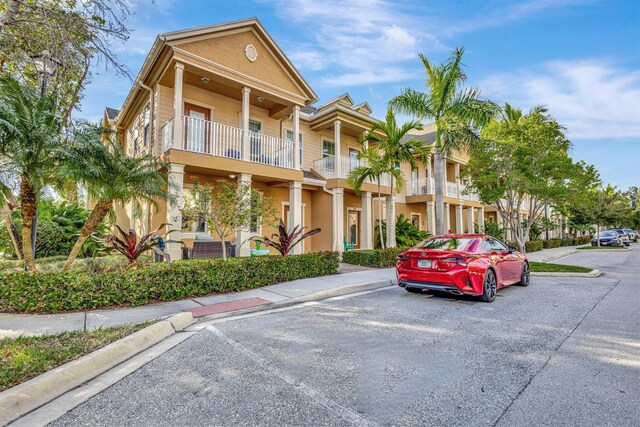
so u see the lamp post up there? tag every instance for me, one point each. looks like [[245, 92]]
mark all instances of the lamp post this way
[[46, 66]]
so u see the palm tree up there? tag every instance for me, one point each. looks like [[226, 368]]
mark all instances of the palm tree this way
[[397, 148], [30, 129], [375, 166], [456, 114], [109, 176]]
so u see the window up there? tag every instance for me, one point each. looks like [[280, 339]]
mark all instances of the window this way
[[414, 181], [445, 243], [135, 140], [146, 125], [328, 148], [193, 225], [289, 137], [496, 246], [254, 226]]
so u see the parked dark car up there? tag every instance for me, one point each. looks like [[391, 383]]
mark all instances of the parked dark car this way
[[607, 238], [623, 235]]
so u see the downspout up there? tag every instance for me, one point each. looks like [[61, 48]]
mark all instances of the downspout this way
[[152, 121], [333, 210]]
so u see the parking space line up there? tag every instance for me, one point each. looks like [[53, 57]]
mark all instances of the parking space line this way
[[317, 396]]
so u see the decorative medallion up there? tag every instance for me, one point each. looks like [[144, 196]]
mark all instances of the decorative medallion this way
[[251, 52]]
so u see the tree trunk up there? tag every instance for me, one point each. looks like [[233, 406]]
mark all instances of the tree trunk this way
[[438, 176], [99, 212], [13, 232], [224, 249], [380, 216], [391, 241], [28, 202]]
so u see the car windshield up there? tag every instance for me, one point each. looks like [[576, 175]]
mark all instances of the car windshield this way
[[608, 234], [445, 243], [628, 231]]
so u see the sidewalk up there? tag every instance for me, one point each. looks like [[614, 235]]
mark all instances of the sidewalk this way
[[548, 255], [12, 325]]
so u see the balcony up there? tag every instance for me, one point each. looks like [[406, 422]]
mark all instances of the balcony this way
[[216, 139], [451, 189], [419, 187], [327, 168]]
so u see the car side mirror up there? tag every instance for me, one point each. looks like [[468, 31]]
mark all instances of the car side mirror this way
[[512, 249]]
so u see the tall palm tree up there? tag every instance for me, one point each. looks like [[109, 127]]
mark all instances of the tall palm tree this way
[[375, 165], [457, 113], [397, 147], [30, 128], [109, 176]]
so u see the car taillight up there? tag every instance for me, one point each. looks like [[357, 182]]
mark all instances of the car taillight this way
[[402, 257], [463, 261]]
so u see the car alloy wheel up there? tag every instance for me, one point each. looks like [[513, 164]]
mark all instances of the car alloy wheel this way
[[526, 275], [490, 287]]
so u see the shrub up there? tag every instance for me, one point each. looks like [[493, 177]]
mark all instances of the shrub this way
[[77, 290], [381, 258], [584, 240], [551, 243], [533, 245]]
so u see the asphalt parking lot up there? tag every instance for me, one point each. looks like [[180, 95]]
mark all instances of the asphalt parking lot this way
[[563, 351]]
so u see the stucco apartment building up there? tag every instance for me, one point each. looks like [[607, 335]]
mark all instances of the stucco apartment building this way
[[225, 102]]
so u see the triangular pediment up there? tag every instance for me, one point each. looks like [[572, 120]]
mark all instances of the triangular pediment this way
[[247, 49]]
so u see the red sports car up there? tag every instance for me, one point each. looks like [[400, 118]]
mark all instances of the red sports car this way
[[462, 264]]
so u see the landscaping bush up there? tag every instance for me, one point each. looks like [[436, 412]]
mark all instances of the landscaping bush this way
[[584, 240], [77, 290], [381, 258], [533, 245], [568, 242], [551, 243]]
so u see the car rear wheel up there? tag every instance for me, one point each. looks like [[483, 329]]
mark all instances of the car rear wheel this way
[[526, 275], [490, 287]]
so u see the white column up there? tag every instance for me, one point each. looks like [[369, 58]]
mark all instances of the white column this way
[[175, 177], [481, 219], [429, 177], [243, 247], [178, 134], [338, 219], [391, 221], [296, 137], [366, 233], [457, 172], [459, 219], [338, 157], [295, 210], [470, 219], [447, 218], [431, 217], [246, 149]]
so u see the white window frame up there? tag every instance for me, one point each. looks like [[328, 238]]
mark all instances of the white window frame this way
[[301, 142], [193, 234], [334, 147]]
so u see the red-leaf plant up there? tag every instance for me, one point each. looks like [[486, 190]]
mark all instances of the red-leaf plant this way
[[286, 239], [131, 247]]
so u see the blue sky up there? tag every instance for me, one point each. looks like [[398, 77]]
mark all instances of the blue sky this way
[[580, 58]]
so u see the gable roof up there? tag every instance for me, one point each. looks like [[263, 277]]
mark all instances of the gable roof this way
[[112, 113], [364, 108], [344, 99]]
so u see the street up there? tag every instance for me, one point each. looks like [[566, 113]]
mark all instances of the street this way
[[563, 351]]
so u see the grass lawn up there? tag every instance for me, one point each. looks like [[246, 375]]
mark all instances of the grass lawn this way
[[26, 357], [587, 248], [544, 267]]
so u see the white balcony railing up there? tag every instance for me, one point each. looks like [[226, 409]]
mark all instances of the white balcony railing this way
[[327, 168], [470, 196], [452, 189], [216, 139], [419, 187]]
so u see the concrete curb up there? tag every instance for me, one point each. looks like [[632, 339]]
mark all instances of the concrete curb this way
[[605, 250], [592, 273], [21, 399], [342, 290]]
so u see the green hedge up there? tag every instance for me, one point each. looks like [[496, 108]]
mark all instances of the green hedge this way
[[76, 290], [533, 245], [381, 258], [551, 243]]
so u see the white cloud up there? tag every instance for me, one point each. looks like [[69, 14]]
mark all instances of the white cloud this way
[[356, 41], [592, 98]]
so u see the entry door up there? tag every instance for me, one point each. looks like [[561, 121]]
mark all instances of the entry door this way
[[196, 128], [255, 129], [415, 220], [353, 227]]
